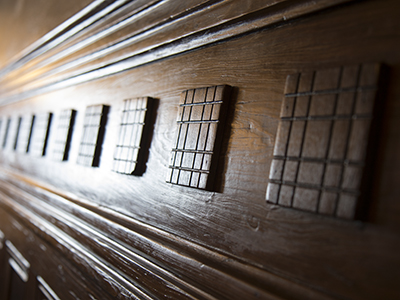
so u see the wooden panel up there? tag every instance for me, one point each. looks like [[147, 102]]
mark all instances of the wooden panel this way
[[138, 236], [322, 140], [40, 134], [200, 121], [92, 137], [27, 30], [62, 142], [184, 29], [131, 149], [24, 133]]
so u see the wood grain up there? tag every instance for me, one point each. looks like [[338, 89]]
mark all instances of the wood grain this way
[[208, 241], [190, 31]]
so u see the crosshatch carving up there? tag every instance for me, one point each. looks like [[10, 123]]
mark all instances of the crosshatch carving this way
[[129, 152], [63, 134], [23, 134], [40, 134], [321, 145], [200, 127], [93, 134]]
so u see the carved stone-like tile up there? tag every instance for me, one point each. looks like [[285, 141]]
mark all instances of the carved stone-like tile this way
[[321, 144], [128, 156], [92, 136], [200, 123], [63, 134], [40, 133]]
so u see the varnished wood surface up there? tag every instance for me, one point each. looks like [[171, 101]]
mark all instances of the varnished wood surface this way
[[168, 29], [232, 237], [23, 16]]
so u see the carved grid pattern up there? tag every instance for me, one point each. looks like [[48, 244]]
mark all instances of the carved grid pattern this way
[[40, 134], [198, 120], [322, 139], [130, 136], [92, 137], [6, 132], [63, 135], [24, 132]]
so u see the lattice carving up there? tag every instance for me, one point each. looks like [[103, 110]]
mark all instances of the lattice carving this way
[[63, 134], [129, 152], [23, 134], [92, 137], [200, 128], [40, 134], [321, 145]]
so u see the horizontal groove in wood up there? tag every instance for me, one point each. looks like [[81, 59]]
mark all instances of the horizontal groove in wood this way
[[79, 254], [93, 222], [76, 23], [17, 255], [164, 40]]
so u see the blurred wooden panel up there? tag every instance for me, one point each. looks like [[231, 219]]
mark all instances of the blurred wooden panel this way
[[123, 236]]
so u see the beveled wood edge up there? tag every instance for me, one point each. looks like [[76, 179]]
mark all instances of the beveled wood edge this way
[[61, 33], [211, 261], [280, 13], [66, 243]]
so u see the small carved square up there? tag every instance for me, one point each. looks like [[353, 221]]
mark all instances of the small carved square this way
[[201, 116], [316, 139], [322, 105], [92, 137], [302, 106], [296, 138], [321, 147], [306, 199], [286, 195], [291, 169], [64, 129], [129, 152], [276, 169], [40, 134], [282, 138], [327, 203], [310, 173]]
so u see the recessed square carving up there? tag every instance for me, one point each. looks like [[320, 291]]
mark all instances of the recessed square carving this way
[[24, 134], [40, 133], [130, 152], [92, 136], [321, 146], [64, 129], [200, 128]]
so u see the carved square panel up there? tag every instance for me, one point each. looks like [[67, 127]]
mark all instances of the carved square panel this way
[[63, 134], [40, 134], [321, 144], [200, 127], [92, 137], [24, 133], [129, 152]]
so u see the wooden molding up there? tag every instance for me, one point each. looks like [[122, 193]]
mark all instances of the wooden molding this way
[[76, 225], [93, 47]]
